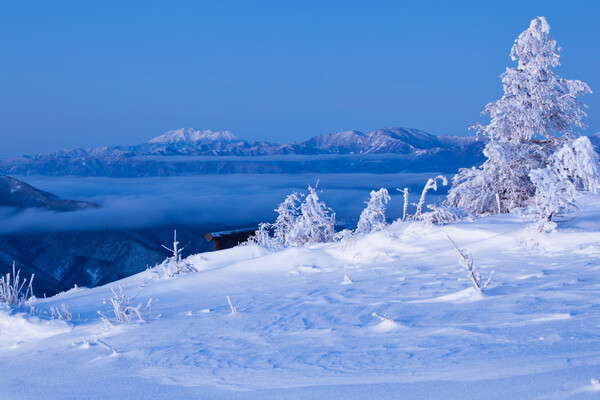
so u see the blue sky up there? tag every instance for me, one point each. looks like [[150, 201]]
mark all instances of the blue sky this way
[[83, 74]]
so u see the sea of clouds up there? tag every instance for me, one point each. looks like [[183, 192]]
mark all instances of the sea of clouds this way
[[136, 203]]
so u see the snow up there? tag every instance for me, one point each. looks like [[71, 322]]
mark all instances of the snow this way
[[406, 322], [191, 135]]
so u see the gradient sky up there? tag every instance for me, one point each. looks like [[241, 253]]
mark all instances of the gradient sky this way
[[86, 74]]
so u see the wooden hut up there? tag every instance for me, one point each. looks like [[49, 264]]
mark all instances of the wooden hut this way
[[228, 239]]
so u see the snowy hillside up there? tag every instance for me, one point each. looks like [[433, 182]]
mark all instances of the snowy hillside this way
[[388, 315]]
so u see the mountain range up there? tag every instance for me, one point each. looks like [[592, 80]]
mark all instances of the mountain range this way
[[18, 194], [404, 150]]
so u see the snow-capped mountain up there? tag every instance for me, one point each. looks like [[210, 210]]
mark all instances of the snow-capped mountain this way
[[190, 135], [403, 150]]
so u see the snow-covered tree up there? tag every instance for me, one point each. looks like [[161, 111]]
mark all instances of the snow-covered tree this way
[[315, 224], [372, 217], [554, 195], [298, 223], [536, 105], [288, 212], [574, 166], [502, 183], [578, 162]]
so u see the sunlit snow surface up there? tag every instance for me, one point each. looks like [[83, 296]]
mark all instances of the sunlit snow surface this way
[[409, 325]]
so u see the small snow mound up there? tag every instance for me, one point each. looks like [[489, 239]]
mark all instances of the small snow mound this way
[[551, 317], [346, 280], [463, 296], [18, 327], [386, 325]]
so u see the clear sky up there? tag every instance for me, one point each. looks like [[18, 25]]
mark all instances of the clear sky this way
[[86, 74]]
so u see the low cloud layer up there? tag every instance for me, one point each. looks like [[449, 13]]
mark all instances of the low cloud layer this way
[[131, 203]]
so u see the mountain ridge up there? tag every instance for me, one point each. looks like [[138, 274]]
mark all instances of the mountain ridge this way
[[416, 151]]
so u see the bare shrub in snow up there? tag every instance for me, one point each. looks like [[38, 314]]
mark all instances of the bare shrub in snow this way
[[124, 310], [372, 217], [466, 260], [11, 288], [536, 104], [262, 238]]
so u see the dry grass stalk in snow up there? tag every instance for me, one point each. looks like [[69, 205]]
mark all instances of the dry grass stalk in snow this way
[[467, 261], [11, 290], [61, 313], [123, 309]]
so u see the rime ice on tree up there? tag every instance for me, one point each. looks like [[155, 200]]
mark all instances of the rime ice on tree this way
[[372, 218], [536, 104]]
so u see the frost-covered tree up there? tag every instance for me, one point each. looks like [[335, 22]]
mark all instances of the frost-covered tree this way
[[574, 166], [372, 217], [315, 224], [298, 223], [578, 162], [554, 195], [288, 212], [536, 105], [502, 183]]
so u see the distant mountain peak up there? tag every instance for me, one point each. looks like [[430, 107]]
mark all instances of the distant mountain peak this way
[[419, 151], [190, 135]]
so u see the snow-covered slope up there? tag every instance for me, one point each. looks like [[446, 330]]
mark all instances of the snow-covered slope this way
[[405, 324], [380, 151]]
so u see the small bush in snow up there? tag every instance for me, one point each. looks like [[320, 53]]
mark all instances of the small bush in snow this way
[[288, 212], [316, 222], [123, 309], [372, 218], [466, 260], [344, 236], [174, 265], [262, 238], [11, 288], [444, 215], [299, 223]]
